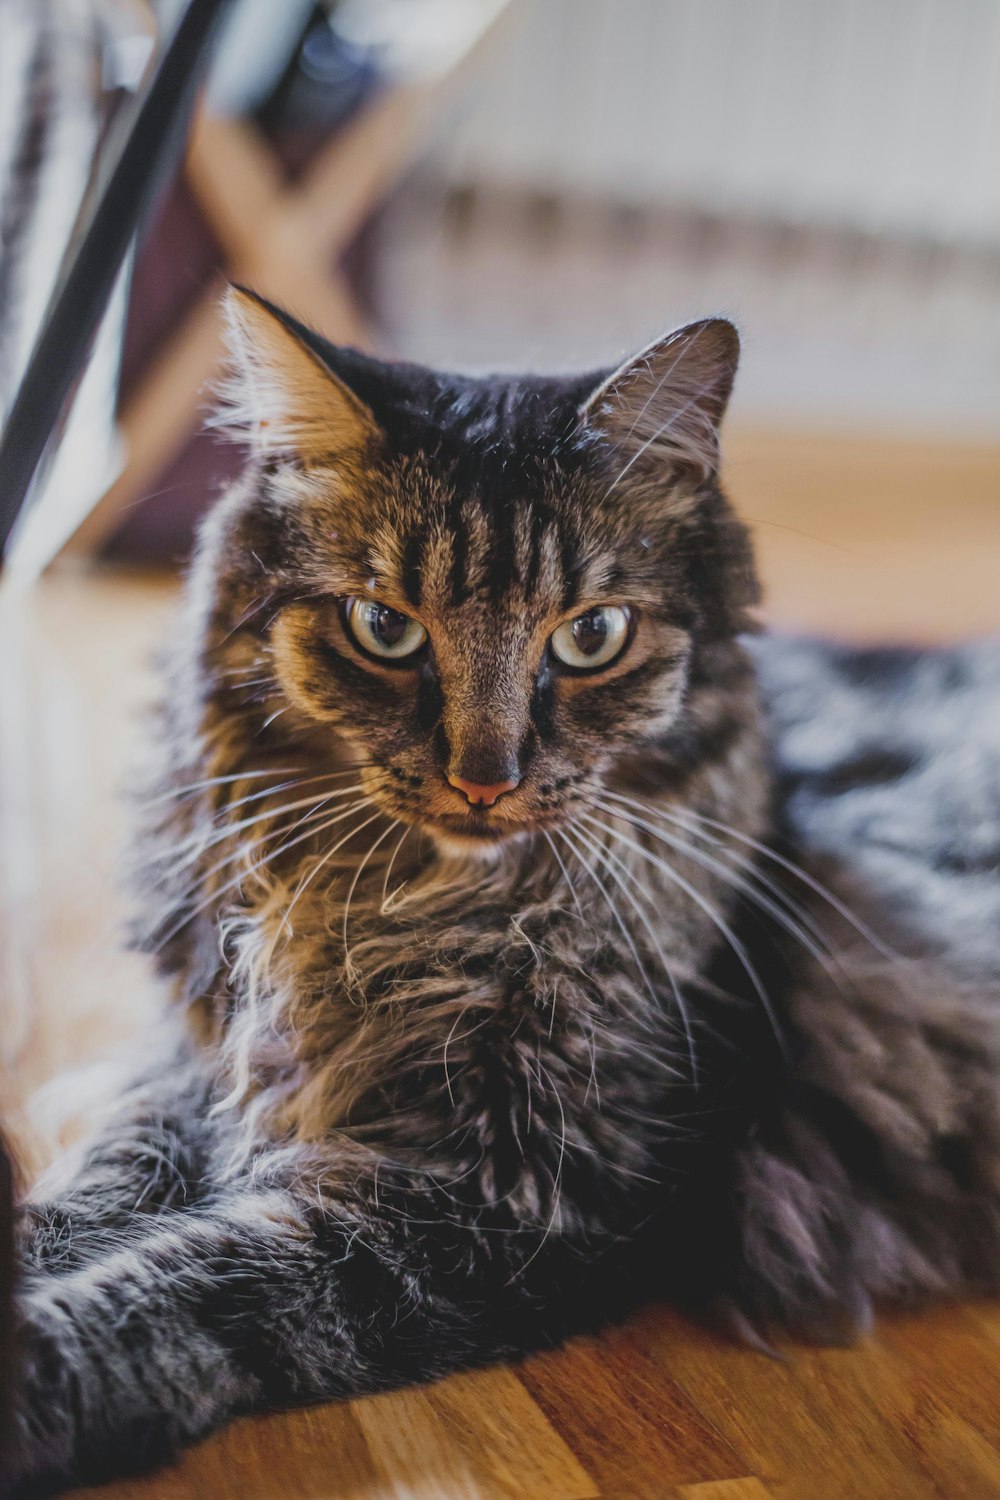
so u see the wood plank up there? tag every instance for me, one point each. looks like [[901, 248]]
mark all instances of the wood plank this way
[[479, 1436], [814, 1420], [300, 1455], [633, 1427], [953, 1349], [748, 1488]]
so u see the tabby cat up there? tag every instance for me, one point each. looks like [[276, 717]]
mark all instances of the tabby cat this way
[[537, 943]]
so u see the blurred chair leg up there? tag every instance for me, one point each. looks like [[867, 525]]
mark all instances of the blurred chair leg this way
[[285, 241]]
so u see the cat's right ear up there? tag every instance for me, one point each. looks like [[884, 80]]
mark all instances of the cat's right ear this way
[[660, 412], [279, 397]]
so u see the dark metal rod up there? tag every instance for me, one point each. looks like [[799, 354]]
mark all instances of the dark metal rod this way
[[151, 142]]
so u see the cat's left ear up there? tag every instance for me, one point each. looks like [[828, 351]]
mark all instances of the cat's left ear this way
[[661, 411], [280, 397]]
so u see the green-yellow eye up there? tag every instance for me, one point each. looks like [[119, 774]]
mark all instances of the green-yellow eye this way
[[383, 631], [594, 639]]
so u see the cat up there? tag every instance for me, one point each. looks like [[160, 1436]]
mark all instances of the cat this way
[[540, 938]]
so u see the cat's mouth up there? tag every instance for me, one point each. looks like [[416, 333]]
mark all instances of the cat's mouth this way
[[475, 836], [483, 827], [479, 825]]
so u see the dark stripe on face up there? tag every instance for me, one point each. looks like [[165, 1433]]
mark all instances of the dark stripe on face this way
[[442, 746], [430, 701], [411, 578], [709, 724], [527, 750], [540, 517], [459, 552], [694, 748], [543, 705], [502, 565], [705, 670], [572, 567], [660, 664]]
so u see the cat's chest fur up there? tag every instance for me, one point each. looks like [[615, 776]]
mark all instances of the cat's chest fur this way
[[506, 1041]]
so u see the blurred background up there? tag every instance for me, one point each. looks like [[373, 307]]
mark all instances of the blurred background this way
[[483, 184]]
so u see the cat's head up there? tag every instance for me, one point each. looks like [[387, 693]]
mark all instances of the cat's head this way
[[490, 588]]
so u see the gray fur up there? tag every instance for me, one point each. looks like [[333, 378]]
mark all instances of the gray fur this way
[[879, 1177]]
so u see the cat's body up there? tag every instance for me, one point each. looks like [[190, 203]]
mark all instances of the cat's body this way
[[537, 1023]]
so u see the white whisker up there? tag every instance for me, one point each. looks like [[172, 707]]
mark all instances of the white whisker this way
[[247, 847], [321, 864], [682, 1009], [715, 917], [349, 968], [199, 843], [765, 850], [799, 929], [387, 902], [210, 781], [565, 873], [311, 832], [609, 902], [276, 715]]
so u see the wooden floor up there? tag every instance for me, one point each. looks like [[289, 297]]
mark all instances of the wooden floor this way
[[865, 539]]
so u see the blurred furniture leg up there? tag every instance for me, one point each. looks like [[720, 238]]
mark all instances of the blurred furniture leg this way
[[285, 239], [148, 136]]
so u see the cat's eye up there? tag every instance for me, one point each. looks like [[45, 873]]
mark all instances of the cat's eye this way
[[594, 639], [383, 631]]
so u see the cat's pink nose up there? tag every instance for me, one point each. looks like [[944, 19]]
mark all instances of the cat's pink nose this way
[[482, 796]]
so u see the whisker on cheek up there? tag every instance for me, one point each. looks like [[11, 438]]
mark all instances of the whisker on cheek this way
[[626, 881], [714, 916], [387, 903]]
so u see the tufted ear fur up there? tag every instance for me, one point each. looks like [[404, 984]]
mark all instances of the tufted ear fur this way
[[662, 409], [279, 397]]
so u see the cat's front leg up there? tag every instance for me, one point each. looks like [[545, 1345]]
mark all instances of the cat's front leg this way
[[84, 1394], [263, 1301], [149, 1155], [120, 1362]]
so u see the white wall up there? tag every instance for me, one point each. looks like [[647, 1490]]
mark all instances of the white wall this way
[[879, 115]]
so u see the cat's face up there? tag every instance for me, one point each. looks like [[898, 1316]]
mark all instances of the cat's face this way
[[490, 589]]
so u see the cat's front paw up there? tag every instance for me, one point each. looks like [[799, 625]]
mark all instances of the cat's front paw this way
[[38, 1456]]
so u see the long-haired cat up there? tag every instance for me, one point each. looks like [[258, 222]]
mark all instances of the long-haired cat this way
[[527, 958]]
